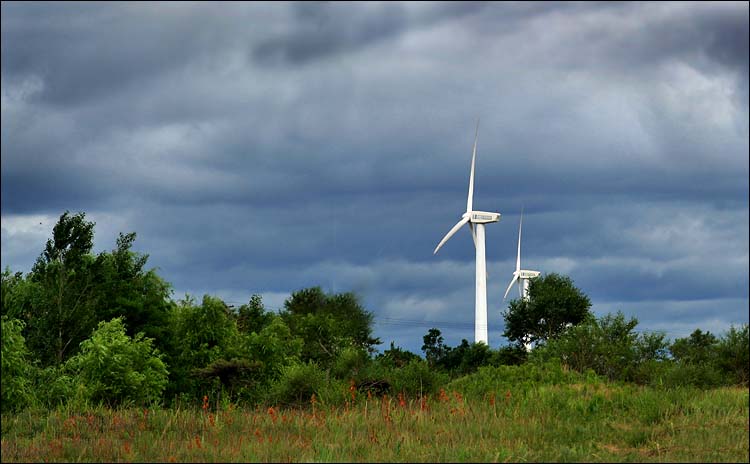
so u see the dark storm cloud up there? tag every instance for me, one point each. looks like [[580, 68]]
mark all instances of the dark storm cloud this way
[[263, 148], [322, 29]]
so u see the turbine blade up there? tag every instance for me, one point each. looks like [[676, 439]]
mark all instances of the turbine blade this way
[[470, 199], [473, 234], [512, 281], [518, 257], [451, 232]]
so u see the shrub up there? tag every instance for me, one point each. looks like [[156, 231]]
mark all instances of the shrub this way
[[349, 363], [16, 384], [416, 378], [115, 369], [697, 375], [733, 354], [297, 384]]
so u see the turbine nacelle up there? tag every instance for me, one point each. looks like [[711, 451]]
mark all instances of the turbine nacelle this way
[[523, 274], [482, 217]]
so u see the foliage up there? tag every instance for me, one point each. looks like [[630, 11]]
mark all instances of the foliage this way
[[416, 378], [698, 348], [125, 289], [200, 335], [553, 304], [434, 348], [609, 346], [16, 384], [63, 304], [349, 363], [253, 316], [296, 384], [116, 369], [733, 355], [327, 323], [395, 357]]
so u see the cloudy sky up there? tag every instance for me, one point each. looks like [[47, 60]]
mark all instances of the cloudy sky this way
[[269, 147]]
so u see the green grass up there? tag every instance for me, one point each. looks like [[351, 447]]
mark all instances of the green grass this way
[[574, 422]]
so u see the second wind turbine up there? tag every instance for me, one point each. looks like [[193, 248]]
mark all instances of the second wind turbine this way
[[478, 218]]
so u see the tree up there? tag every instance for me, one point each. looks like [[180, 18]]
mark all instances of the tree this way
[[253, 317], [16, 384], [123, 288], [62, 310], [699, 348], [609, 346], [554, 303], [434, 349], [328, 323], [734, 354], [114, 368]]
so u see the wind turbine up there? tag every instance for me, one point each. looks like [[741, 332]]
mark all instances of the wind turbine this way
[[522, 276], [476, 221]]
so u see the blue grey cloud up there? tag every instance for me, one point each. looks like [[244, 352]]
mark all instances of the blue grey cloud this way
[[262, 148]]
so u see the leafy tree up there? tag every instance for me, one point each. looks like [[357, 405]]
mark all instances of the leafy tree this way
[[116, 369], [327, 323], [434, 349], [734, 354], [253, 317], [396, 356], [14, 295], [16, 384], [699, 348], [62, 309], [608, 345], [554, 303], [123, 288], [200, 335]]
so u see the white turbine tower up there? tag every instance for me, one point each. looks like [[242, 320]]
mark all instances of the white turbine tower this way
[[522, 276], [480, 218]]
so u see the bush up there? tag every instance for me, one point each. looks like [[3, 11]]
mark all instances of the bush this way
[[349, 363], [733, 355], [16, 384], [297, 384], [696, 375], [489, 379], [115, 369], [416, 378]]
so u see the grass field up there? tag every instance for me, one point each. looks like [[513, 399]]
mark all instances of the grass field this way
[[573, 422]]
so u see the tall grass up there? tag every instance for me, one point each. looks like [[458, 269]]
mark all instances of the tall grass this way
[[484, 418]]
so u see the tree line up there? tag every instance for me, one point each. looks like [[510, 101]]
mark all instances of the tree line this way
[[85, 328]]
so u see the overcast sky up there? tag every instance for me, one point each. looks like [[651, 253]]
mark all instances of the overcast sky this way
[[269, 147]]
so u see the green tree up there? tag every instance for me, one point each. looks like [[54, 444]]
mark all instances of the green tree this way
[[734, 354], [14, 295], [62, 308], [16, 366], [328, 323], [554, 303], [116, 369], [434, 349], [200, 335], [123, 288], [396, 356], [608, 345], [253, 316], [699, 348]]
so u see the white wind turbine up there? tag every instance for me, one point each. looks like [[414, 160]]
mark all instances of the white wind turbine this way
[[522, 276], [480, 218]]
